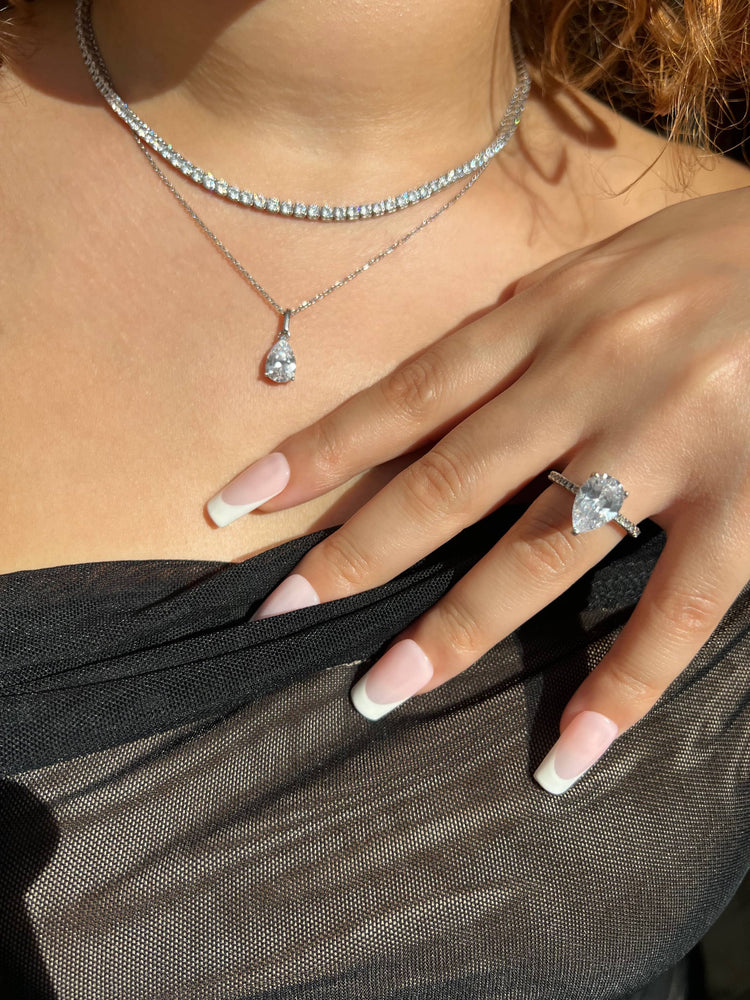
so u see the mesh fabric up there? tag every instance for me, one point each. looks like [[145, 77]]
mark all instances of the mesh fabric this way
[[191, 807]]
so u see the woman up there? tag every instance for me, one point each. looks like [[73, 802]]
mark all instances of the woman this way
[[197, 809]]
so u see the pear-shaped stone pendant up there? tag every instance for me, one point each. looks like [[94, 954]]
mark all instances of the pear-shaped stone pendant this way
[[281, 364], [598, 501]]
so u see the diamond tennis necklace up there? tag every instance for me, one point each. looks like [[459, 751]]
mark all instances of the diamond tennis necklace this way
[[295, 208]]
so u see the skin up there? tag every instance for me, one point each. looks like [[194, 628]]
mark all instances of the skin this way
[[144, 344]]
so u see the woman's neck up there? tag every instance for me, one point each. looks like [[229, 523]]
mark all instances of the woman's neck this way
[[326, 96]]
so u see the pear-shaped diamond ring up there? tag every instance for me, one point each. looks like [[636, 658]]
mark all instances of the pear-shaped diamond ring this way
[[597, 501]]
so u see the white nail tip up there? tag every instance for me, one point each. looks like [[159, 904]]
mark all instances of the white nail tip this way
[[549, 779], [291, 594], [365, 706], [222, 513]]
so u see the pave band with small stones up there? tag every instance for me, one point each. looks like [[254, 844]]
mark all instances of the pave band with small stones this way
[[294, 208], [597, 501]]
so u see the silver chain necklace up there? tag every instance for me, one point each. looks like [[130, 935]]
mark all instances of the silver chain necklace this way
[[295, 208], [280, 363]]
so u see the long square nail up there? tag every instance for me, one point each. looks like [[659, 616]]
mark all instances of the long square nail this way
[[580, 746], [396, 676], [257, 484]]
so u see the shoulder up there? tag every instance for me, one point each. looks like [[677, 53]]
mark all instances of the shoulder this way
[[611, 172], [675, 171]]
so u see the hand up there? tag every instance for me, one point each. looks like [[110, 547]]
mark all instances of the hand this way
[[630, 357]]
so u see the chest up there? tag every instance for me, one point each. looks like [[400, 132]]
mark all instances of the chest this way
[[131, 358]]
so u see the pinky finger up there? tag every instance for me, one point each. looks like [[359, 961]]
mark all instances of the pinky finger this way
[[691, 588]]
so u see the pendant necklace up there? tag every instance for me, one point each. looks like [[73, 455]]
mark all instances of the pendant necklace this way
[[280, 363]]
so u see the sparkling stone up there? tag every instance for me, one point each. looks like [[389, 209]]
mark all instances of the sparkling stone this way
[[281, 363], [339, 213], [246, 197], [424, 191], [187, 168], [365, 211], [209, 182], [326, 212], [234, 193], [413, 197], [198, 175], [286, 208], [222, 187], [273, 205], [378, 208], [313, 211], [352, 212], [259, 201], [300, 210], [598, 500], [402, 201], [390, 204]]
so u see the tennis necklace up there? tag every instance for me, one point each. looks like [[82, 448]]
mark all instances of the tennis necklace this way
[[294, 207], [281, 364]]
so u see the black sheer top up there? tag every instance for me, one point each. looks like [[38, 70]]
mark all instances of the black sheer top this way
[[192, 808]]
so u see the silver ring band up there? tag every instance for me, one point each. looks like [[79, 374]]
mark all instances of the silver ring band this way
[[594, 516]]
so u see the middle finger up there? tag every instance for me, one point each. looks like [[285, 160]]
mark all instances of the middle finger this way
[[471, 471]]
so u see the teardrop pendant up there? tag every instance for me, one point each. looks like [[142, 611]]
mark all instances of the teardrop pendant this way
[[281, 364]]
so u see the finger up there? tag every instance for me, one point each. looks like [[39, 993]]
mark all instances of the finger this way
[[537, 559], [552, 267], [410, 407], [560, 268], [468, 473], [697, 577]]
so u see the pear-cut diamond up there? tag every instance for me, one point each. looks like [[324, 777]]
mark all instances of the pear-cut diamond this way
[[598, 501], [281, 363]]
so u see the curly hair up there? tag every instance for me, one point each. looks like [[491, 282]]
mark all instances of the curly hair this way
[[674, 63]]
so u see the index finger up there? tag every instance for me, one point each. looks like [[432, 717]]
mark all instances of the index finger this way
[[409, 408]]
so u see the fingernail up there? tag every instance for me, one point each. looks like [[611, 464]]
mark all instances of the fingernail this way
[[397, 675], [262, 481], [581, 744], [291, 594]]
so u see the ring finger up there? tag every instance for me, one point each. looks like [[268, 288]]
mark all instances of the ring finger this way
[[537, 559]]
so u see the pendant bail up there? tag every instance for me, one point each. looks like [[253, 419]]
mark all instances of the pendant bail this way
[[285, 326]]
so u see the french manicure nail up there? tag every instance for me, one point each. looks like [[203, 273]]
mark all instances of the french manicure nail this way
[[582, 743], [291, 594], [397, 675], [262, 481]]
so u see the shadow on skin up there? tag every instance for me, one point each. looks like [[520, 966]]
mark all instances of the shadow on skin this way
[[49, 60]]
